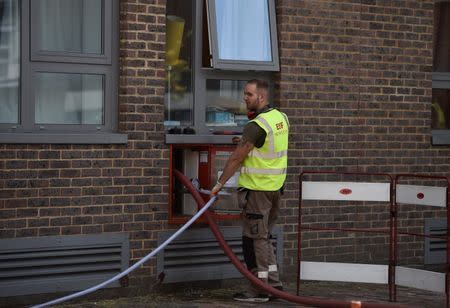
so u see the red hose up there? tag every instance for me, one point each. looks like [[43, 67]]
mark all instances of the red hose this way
[[303, 300]]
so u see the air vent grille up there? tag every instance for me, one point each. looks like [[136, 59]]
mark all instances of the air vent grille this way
[[60, 263], [435, 249], [196, 255]]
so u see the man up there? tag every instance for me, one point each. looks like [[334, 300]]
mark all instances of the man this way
[[262, 157]]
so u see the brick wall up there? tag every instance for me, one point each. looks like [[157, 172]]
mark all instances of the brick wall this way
[[355, 80], [82, 189]]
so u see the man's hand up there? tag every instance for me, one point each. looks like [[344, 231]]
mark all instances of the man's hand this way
[[216, 189]]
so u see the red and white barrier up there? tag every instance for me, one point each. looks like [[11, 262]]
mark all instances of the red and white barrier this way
[[346, 272], [435, 196], [346, 191], [380, 192], [420, 279], [421, 195]]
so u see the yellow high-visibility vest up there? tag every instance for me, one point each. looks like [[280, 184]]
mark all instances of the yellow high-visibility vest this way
[[265, 168]]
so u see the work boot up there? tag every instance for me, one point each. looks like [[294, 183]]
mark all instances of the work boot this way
[[251, 298]]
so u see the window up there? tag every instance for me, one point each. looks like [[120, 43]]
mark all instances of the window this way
[[441, 74], [9, 61], [224, 105], [179, 63], [59, 59], [212, 48], [243, 34]]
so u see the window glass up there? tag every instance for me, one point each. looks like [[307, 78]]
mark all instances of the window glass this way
[[70, 26], [441, 60], [440, 109], [440, 105], [9, 62], [243, 30], [225, 103], [68, 98], [179, 97]]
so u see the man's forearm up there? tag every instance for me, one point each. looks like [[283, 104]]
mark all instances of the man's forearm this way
[[235, 161], [230, 168]]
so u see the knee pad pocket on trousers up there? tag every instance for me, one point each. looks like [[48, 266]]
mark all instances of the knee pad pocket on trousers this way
[[254, 226], [248, 250]]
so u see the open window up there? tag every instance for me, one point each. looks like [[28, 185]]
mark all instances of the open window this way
[[243, 34], [205, 78]]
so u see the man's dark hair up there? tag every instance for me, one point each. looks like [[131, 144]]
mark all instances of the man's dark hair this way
[[260, 84]]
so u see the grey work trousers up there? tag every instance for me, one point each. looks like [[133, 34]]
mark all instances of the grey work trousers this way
[[259, 214]]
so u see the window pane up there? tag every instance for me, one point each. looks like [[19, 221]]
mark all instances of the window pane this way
[[178, 103], [440, 109], [68, 98], [225, 103], [441, 42], [9, 62], [243, 30], [70, 26]]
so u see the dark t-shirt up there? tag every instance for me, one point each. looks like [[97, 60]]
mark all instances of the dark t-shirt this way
[[254, 134]]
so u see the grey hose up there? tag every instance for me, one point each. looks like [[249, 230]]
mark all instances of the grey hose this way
[[134, 266]]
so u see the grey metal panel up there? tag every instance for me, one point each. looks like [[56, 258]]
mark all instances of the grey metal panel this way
[[194, 139], [196, 255], [441, 76], [440, 84], [26, 115], [68, 138], [113, 116], [63, 253], [59, 284], [66, 269], [60, 263], [440, 137], [193, 253], [199, 84], [435, 249]]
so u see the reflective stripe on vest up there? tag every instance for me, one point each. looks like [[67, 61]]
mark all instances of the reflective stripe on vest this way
[[271, 154], [269, 134], [247, 170], [268, 155]]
